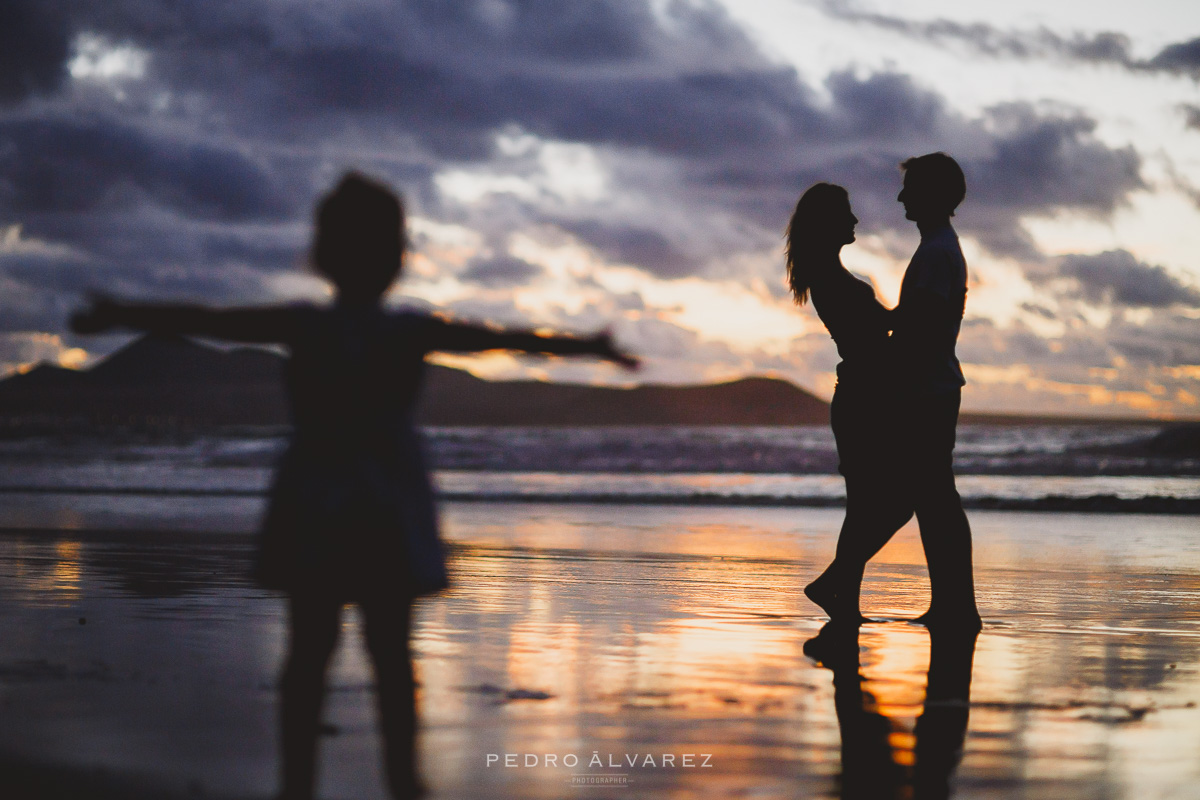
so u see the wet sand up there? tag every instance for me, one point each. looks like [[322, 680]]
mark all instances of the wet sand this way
[[137, 661]]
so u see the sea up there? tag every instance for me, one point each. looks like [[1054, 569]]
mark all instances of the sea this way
[[220, 479]]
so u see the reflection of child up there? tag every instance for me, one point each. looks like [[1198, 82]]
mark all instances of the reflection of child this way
[[351, 516]]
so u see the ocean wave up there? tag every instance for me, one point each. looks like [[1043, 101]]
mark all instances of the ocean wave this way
[[1039, 450], [1138, 494]]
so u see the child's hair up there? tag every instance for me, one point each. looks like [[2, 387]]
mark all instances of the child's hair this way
[[360, 236]]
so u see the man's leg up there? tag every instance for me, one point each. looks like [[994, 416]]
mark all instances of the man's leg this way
[[942, 727], [945, 531]]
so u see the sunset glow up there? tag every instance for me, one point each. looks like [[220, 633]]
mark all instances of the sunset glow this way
[[641, 182]]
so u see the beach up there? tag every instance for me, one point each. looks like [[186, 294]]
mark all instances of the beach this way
[[617, 640]]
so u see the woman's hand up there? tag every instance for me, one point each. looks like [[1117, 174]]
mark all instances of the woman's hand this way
[[101, 314]]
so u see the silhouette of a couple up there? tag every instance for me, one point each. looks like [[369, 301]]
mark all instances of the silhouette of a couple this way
[[895, 408], [351, 517]]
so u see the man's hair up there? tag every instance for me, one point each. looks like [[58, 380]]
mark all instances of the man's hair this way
[[940, 176]]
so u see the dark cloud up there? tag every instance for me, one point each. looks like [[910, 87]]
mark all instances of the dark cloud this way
[[1039, 311], [1022, 159], [197, 178], [51, 284], [1085, 356], [629, 301], [1074, 355], [454, 74], [594, 31], [883, 106], [989, 40], [1042, 162], [744, 133], [1106, 47], [500, 271], [981, 341], [33, 305], [1116, 277], [1179, 182], [34, 45], [1183, 57], [1166, 339], [1191, 115], [631, 244], [69, 166]]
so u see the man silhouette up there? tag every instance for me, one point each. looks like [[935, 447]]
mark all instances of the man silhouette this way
[[930, 379]]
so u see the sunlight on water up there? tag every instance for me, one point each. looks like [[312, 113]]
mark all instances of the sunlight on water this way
[[66, 571], [610, 631]]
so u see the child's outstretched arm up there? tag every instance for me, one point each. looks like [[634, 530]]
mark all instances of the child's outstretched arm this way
[[463, 338], [256, 325]]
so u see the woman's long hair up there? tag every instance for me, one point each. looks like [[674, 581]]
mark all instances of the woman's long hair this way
[[810, 221]]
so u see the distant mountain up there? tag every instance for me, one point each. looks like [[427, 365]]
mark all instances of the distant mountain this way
[[172, 381], [154, 382]]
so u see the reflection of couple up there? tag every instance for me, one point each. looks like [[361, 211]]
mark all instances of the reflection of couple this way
[[895, 408], [875, 765]]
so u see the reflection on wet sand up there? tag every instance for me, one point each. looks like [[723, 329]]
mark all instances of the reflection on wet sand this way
[[880, 758], [577, 630]]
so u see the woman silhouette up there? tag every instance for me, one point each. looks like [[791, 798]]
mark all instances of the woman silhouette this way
[[820, 226], [351, 516]]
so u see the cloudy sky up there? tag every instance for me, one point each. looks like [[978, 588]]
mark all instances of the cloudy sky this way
[[629, 163]]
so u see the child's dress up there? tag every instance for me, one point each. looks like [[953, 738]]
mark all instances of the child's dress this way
[[351, 511]]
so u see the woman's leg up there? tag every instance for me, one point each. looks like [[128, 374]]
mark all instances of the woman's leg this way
[[874, 512], [313, 635], [388, 622], [825, 590]]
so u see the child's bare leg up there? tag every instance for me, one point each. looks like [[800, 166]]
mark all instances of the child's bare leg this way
[[387, 629], [313, 635]]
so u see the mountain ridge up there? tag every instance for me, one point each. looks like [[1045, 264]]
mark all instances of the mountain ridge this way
[[170, 382], [174, 381]]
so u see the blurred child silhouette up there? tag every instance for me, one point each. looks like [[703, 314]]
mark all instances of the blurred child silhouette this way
[[351, 517]]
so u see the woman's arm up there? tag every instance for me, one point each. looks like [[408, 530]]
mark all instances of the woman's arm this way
[[251, 325], [463, 338]]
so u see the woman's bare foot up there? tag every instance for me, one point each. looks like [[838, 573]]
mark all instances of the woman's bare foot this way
[[823, 592], [835, 646]]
